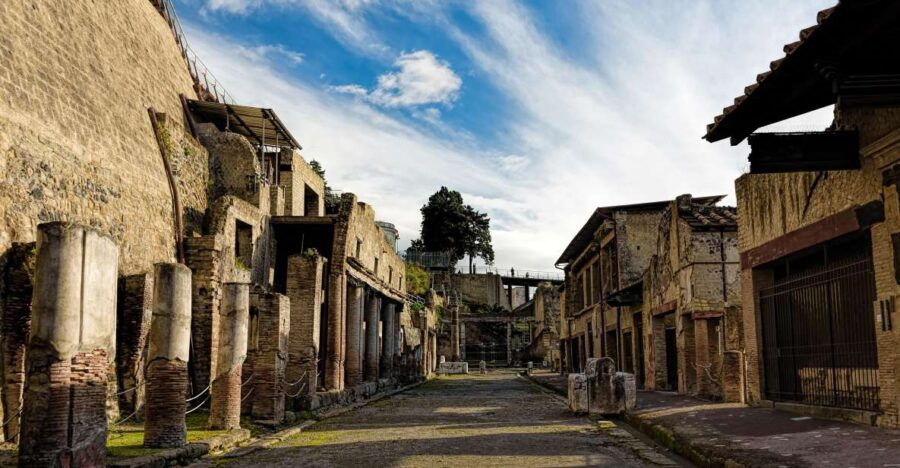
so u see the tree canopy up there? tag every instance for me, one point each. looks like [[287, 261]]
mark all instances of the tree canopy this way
[[449, 225]]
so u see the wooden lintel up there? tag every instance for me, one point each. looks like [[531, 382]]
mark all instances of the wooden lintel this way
[[845, 222], [664, 308], [706, 314]]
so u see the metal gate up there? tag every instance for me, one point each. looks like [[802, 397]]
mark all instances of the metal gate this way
[[819, 331]]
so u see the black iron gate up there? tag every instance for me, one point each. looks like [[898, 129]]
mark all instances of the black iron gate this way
[[818, 329]]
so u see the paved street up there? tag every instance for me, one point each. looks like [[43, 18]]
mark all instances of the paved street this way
[[496, 419]]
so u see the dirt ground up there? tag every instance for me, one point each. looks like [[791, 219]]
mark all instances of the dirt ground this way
[[496, 419]]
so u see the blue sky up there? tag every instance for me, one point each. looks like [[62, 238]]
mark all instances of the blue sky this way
[[536, 111]]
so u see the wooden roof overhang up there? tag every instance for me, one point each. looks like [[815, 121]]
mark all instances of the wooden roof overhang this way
[[259, 125], [851, 51]]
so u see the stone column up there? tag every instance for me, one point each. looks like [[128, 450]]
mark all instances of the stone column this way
[[225, 408], [334, 358], [398, 342], [304, 289], [271, 357], [434, 353], [387, 339], [509, 343], [70, 348], [462, 341], [454, 335], [353, 367], [373, 306], [167, 356], [18, 279]]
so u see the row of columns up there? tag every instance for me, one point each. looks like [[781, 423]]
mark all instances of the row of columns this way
[[72, 345], [71, 349]]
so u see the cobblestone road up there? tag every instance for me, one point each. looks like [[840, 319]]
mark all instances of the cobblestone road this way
[[496, 419]]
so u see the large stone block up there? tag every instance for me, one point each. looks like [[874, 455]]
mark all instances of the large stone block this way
[[578, 393], [453, 368]]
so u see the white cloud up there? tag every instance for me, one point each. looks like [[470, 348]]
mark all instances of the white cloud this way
[[386, 162], [422, 79], [618, 120], [260, 53], [232, 6]]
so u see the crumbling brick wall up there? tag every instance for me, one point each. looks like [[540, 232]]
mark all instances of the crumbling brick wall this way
[[17, 287], [203, 257], [135, 310]]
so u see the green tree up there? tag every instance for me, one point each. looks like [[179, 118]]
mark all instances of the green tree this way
[[449, 225]]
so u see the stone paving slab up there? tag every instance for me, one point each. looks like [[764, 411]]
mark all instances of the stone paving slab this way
[[495, 419], [734, 435]]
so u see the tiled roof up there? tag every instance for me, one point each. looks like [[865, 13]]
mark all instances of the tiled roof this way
[[712, 217], [774, 67], [585, 234]]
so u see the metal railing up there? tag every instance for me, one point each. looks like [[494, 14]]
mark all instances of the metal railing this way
[[514, 272], [203, 77]]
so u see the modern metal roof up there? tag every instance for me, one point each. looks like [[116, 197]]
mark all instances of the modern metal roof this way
[[260, 126]]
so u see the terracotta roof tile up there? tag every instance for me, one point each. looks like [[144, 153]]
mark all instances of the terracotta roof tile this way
[[704, 216], [821, 17]]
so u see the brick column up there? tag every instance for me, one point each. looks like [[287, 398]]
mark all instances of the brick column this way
[[304, 289], [225, 392], [202, 256], [656, 362], [373, 306], [687, 354], [168, 352], [353, 366], [271, 357], [334, 358], [18, 278], [387, 339], [70, 348], [135, 311]]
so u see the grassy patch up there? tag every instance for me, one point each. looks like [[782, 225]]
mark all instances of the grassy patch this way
[[127, 440]]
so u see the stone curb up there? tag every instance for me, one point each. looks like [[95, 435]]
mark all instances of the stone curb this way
[[680, 445], [271, 439], [186, 454], [640, 448]]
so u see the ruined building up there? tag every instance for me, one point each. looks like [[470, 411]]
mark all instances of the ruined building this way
[[819, 220], [638, 280], [690, 295], [208, 266]]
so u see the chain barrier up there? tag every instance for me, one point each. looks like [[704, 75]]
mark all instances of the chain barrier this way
[[132, 388]]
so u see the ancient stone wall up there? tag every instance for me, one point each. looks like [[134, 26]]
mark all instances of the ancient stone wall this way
[[367, 244], [76, 143], [300, 179]]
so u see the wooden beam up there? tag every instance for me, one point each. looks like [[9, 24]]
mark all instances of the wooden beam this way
[[845, 222]]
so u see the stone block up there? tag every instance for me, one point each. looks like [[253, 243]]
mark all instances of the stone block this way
[[578, 393], [453, 368]]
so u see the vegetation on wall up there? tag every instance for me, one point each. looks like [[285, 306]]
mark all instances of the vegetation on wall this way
[[417, 280]]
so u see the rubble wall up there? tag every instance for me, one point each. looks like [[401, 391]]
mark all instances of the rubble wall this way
[[76, 143]]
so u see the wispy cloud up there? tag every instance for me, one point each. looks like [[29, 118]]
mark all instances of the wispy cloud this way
[[618, 120], [422, 78], [260, 53]]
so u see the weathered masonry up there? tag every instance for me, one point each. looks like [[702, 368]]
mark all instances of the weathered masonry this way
[[690, 300], [214, 270], [819, 213], [648, 285]]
